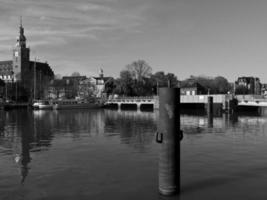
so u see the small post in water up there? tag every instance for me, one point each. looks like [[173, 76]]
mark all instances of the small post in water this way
[[169, 136], [233, 106], [210, 111]]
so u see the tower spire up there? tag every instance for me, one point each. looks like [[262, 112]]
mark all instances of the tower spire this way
[[20, 21], [21, 54], [21, 39], [21, 29]]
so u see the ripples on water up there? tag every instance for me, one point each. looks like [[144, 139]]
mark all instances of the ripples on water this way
[[105, 154]]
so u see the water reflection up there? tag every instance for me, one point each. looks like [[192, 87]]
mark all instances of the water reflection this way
[[20, 134], [26, 139], [134, 128], [81, 149], [210, 120], [73, 123], [35, 130]]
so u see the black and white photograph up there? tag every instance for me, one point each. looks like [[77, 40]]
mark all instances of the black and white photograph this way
[[133, 99]]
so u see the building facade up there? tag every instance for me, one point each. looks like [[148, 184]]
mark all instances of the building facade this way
[[248, 85], [264, 89], [192, 88], [30, 77], [100, 84], [78, 87]]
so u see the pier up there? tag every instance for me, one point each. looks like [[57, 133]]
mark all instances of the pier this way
[[137, 101], [191, 101]]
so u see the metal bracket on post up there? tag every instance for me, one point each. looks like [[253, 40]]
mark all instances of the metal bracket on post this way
[[159, 139], [181, 135]]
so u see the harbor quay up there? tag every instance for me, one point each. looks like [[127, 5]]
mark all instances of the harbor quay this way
[[221, 103]]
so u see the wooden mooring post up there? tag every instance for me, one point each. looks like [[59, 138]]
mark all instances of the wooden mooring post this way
[[210, 111], [233, 106], [169, 136], [210, 105]]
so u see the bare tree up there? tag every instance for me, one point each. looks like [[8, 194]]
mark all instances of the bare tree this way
[[139, 70]]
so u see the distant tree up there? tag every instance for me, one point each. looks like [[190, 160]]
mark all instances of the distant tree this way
[[137, 80], [172, 79], [75, 74], [126, 76], [221, 84], [139, 69], [124, 85], [217, 85], [110, 86], [207, 83], [160, 79], [143, 88]]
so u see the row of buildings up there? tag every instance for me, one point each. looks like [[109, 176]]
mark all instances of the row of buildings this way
[[79, 87], [243, 85], [22, 79]]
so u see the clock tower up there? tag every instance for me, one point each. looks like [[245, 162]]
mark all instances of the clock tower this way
[[21, 56]]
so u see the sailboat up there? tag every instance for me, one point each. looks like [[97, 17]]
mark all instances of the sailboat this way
[[39, 104]]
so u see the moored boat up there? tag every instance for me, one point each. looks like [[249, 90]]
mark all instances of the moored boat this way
[[42, 105]]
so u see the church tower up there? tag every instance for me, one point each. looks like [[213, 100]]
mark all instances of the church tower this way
[[21, 56]]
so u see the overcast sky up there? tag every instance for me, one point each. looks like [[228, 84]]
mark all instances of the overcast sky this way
[[185, 37]]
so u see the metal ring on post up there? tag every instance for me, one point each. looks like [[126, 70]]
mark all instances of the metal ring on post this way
[[181, 135], [159, 140]]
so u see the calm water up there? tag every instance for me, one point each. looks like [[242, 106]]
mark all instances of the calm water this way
[[105, 154]]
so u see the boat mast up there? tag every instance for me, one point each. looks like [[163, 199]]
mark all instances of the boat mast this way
[[34, 79], [6, 89]]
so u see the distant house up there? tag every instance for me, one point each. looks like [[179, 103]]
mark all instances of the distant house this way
[[61, 89], [100, 83], [251, 84], [192, 88], [86, 88], [264, 89], [80, 87]]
